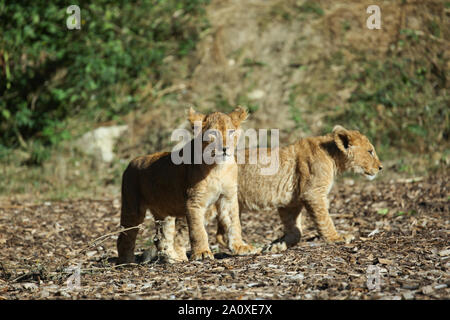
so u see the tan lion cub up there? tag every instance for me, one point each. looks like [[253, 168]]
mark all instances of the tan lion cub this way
[[304, 178], [172, 190]]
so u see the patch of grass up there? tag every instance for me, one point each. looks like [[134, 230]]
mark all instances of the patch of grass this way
[[434, 28], [253, 63], [311, 7], [406, 213], [244, 101], [346, 25], [221, 102], [296, 113]]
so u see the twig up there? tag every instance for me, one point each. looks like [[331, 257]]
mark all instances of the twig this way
[[95, 268], [93, 243]]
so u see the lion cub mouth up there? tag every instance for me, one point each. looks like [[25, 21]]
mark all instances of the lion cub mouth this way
[[370, 176]]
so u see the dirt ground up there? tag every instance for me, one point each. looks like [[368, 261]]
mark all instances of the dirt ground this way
[[401, 229]]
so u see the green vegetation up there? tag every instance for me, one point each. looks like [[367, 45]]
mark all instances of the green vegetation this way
[[401, 103], [311, 7], [50, 73]]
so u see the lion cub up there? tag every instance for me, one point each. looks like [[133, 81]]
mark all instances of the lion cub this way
[[304, 178], [172, 190]]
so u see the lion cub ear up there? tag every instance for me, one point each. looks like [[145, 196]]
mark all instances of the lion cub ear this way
[[193, 116], [341, 138], [338, 128], [238, 115]]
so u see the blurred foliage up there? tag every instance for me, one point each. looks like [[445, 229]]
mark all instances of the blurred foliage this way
[[397, 107], [400, 102], [49, 73]]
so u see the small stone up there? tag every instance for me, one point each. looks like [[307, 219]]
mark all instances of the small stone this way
[[427, 290], [408, 295], [444, 253]]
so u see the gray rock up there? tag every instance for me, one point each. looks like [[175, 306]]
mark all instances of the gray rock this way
[[408, 295], [100, 142], [427, 290]]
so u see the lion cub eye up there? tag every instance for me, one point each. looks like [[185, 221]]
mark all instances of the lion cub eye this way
[[371, 152]]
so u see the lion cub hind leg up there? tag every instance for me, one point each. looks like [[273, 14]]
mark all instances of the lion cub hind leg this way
[[230, 226], [131, 216], [221, 235], [290, 217], [166, 245], [181, 239]]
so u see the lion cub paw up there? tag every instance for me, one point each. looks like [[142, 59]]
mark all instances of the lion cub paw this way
[[343, 238], [276, 247], [202, 255], [348, 238], [245, 249]]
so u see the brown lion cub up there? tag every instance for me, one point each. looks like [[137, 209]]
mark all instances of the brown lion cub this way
[[172, 190], [304, 178]]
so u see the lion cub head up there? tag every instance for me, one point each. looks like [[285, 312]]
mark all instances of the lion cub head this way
[[219, 132], [359, 152]]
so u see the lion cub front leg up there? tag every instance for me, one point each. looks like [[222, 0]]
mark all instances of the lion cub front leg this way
[[317, 207], [167, 246], [197, 232], [228, 216]]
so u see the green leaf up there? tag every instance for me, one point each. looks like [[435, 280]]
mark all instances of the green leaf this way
[[383, 211], [6, 114]]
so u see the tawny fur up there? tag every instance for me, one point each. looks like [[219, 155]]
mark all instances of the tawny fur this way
[[305, 176], [168, 190]]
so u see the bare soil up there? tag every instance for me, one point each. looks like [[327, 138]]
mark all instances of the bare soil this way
[[401, 228]]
